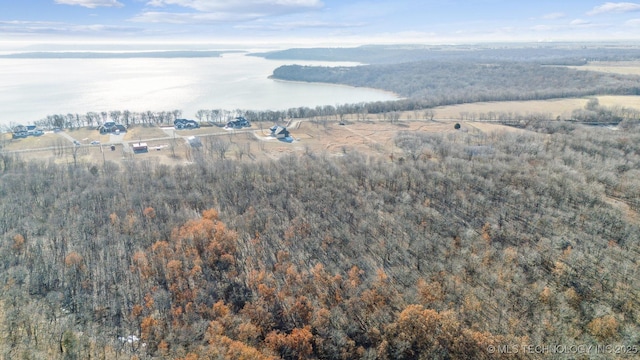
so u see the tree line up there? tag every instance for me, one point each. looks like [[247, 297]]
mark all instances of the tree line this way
[[548, 54], [217, 116]]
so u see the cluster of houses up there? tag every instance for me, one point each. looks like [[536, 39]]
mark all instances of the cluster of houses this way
[[21, 131], [112, 128], [180, 124], [238, 123]]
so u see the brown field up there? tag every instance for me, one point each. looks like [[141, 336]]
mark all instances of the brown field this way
[[371, 137], [205, 130], [612, 67], [43, 141], [374, 136], [87, 135], [556, 107], [621, 101], [146, 132]]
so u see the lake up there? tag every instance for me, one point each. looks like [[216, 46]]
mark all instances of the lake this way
[[31, 89]]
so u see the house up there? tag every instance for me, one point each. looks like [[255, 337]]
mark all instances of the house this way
[[106, 127], [238, 123], [140, 147], [180, 124], [279, 132], [20, 131], [111, 127], [19, 134]]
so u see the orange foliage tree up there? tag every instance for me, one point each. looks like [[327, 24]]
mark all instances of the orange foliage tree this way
[[195, 267]]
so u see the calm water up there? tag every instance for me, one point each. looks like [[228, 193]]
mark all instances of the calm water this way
[[31, 89]]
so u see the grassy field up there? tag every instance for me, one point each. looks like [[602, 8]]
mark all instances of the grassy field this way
[[622, 101], [372, 137], [145, 132], [612, 67], [556, 107], [32, 142]]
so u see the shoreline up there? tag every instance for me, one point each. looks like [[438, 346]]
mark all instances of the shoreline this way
[[398, 97]]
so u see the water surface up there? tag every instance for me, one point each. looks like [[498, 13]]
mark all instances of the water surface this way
[[31, 89]]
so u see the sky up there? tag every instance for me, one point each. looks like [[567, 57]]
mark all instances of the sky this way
[[314, 22]]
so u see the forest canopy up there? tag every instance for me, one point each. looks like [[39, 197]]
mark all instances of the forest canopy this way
[[441, 83], [463, 241]]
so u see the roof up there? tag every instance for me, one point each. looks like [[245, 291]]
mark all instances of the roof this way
[[277, 130]]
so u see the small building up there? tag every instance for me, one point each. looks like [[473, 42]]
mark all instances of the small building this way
[[140, 147], [279, 132]]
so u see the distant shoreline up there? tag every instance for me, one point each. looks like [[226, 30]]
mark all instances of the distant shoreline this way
[[115, 55], [398, 97]]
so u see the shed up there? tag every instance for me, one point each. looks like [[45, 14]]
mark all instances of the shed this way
[[140, 147]]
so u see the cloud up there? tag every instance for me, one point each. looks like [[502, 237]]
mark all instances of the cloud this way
[[611, 7], [223, 11], [50, 27], [578, 22], [262, 6], [293, 25], [543, 28], [91, 4], [193, 18], [62, 28], [554, 16]]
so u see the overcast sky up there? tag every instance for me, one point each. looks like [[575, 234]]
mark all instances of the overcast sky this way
[[316, 22]]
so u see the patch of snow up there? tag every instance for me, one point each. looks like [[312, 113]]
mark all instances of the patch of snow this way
[[129, 339]]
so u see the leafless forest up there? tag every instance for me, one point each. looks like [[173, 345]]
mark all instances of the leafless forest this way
[[464, 241]]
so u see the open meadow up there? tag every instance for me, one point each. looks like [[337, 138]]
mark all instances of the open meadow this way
[[555, 108], [170, 147], [612, 67]]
